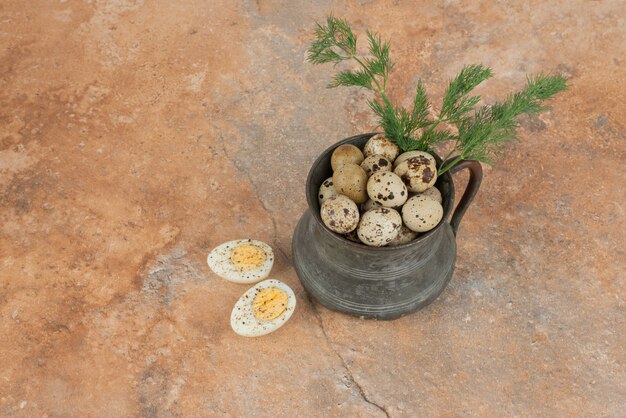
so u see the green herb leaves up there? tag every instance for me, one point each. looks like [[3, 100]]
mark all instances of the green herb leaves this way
[[480, 133], [398, 123], [456, 102], [335, 42], [482, 136], [357, 78], [381, 64]]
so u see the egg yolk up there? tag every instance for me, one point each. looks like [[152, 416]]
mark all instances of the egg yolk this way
[[247, 257], [269, 304]]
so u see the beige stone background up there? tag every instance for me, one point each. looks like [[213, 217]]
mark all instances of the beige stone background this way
[[136, 135]]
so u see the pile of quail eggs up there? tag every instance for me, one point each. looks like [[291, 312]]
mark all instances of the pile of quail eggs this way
[[378, 196]]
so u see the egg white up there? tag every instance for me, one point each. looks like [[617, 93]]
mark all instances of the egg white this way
[[242, 319], [219, 261]]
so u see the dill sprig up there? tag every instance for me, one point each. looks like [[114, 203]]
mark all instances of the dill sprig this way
[[482, 136], [480, 132]]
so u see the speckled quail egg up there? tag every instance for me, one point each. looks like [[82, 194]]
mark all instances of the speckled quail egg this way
[[432, 192], [410, 154], [345, 154], [340, 214], [242, 261], [379, 144], [418, 173], [263, 309], [421, 213], [405, 235], [387, 189], [375, 163], [379, 226], [351, 180], [370, 204], [327, 189]]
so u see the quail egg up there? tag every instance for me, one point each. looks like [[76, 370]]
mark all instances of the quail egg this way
[[242, 261], [351, 180], [421, 213], [387, 189], [380, 145], [345, 154], [405, 235], [340, 214], [326, 190], [370, 204], [375, 163], [418, 173], [432, 192], [263, 309], [410, 154], [379, 226]]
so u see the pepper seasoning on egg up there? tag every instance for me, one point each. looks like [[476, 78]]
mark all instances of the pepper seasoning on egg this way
[[263, 309]]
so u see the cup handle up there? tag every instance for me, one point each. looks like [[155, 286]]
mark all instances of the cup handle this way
[[475, 178]]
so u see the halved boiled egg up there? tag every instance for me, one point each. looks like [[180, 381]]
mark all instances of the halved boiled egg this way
[[242, 261], [263, 309]]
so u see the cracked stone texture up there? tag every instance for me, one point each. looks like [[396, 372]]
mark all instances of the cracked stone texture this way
[[135, 136]]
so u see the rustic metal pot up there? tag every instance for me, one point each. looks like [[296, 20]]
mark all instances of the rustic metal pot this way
[[377, 282]]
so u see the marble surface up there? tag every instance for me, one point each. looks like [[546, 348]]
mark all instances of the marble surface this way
[[137, 135]]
